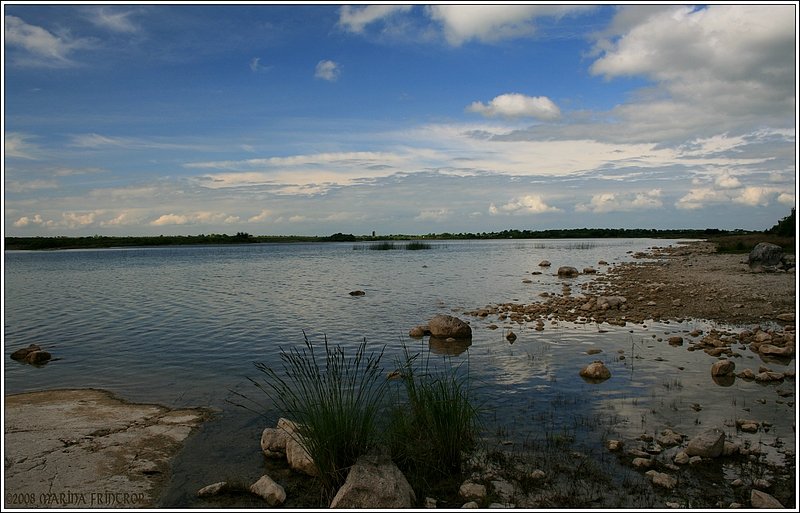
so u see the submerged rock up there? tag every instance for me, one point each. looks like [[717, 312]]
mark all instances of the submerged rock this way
[[358, 293], [723, 368], [21, 354], [212, 489], [596, 371]]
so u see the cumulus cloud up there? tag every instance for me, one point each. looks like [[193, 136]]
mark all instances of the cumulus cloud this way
[[261, 216], [195, 218], [755, 196], [356, 18], [529, 204], [489, 23], [726, 181], [515, 105], [40, 47], [605, 202], [714, 69], [327, 70]]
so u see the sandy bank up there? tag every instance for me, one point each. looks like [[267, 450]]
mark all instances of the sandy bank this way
[[88, 449]]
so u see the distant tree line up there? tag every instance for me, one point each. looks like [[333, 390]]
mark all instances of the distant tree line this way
[[784, 228]]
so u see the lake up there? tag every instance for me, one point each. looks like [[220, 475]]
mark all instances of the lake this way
[[182, 326]]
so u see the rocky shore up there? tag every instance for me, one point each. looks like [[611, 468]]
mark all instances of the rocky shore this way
[[674, 283]]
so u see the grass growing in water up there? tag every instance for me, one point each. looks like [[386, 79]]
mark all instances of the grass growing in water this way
[[382, 246], [418, 245], [334, 400], [435, 424]]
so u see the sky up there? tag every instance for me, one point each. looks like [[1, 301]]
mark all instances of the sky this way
[[182, 119]]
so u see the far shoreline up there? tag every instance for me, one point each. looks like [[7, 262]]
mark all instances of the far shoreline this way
[[726, 240]]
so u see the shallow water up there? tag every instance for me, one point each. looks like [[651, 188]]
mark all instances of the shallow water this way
[[181, 326]]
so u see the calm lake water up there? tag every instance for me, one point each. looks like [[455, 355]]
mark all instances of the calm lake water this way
[[181, 326]]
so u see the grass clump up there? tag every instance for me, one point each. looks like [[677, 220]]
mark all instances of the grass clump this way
[[435, 424], [334, 399], [413, 246], [382, 246]]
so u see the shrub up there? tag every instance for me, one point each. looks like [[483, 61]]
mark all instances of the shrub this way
[[335, 403]]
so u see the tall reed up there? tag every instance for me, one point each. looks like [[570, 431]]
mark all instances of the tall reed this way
[[335, 400], [435, 424]]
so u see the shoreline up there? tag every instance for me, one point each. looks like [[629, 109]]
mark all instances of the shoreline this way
[[688, 281]]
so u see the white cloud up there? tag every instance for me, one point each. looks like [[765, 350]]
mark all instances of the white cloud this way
[[356, 18], [114, 20], [529, 204], [30, 185], [40, 47], [328, 70], [489, 23], [194, 218], [605, 202], [786, 198], [261, 216], [167, 219], [515, 105], [715, 69], [257, 67], [755, 196], [726, 181], [437, 214], [18, 145]]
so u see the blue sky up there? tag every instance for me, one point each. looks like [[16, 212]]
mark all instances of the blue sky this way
[[135, 119]]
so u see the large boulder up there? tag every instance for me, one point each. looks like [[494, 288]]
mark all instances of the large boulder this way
[[708, 444], [374, 482], [298, 458], [447, 326], [765, 257], [273, 442]]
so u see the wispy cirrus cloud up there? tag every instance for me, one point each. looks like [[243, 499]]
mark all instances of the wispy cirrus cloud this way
[[356, 18], [35, 46], [114, 19]]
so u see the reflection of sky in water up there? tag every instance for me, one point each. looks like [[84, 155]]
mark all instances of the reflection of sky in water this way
[[655, 386]]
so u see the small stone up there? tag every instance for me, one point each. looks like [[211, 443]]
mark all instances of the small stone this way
[[212, 489], [761, 484], [357, 293], [269, 490], [614, 445], [681, 458], [763, 500], [430, 503], [737, 483], [511, 336], [537, 475], [642, 463], [470, 490], [470, 505]]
